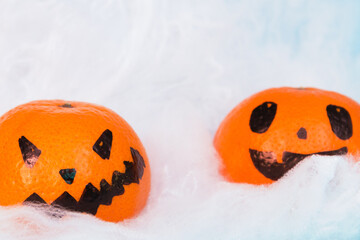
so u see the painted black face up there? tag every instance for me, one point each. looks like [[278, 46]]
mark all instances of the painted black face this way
[[262, 117], [266, 162], [91, 197]]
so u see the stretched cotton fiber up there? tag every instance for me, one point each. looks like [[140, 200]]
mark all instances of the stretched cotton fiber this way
[[318, 199], [173, 70]]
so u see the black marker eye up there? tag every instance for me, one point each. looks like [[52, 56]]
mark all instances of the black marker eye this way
[[103, 145], [29, 152], [262, 117], [340, 121]]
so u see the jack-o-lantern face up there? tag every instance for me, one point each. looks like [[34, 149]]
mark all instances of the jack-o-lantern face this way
[[269, 133], [76, 156]]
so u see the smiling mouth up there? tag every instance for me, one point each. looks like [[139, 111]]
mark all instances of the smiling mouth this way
[[91, 197], [266, 162]]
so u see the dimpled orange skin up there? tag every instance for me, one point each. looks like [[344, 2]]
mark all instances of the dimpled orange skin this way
[[65, 137], [296, 108]]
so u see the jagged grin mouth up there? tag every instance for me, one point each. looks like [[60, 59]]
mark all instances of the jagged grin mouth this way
[[266, 162], [91, 197]]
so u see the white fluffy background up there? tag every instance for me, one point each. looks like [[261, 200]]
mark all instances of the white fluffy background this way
[[173, 70]]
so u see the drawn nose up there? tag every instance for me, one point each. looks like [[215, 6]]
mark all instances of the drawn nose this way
[[302, 134], [68, 175]]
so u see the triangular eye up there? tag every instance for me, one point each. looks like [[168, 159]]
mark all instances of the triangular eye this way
[[29, 151], [103, 145]]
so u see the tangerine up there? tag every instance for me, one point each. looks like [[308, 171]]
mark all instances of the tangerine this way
[[269, 133], [73, 155]]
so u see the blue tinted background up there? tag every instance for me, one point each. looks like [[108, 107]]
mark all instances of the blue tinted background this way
[[173, 70]]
